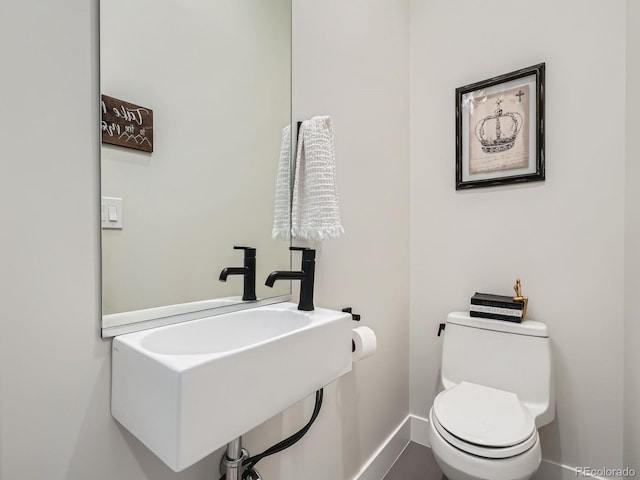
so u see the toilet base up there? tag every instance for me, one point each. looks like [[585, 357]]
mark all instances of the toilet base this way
[[459, 465]]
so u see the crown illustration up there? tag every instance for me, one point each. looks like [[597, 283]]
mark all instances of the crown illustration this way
[[498, 132]]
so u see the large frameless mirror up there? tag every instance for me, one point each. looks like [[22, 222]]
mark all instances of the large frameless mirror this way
[[195, 96]]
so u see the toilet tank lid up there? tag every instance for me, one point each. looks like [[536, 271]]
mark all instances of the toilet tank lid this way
[[528, 327]]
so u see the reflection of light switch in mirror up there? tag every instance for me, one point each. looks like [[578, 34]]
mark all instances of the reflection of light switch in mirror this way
[[111, 212]]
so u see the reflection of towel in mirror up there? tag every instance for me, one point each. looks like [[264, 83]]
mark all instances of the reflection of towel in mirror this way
[[282, 209], [315, 211]]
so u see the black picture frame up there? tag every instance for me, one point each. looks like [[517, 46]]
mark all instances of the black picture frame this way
[[500, 130]]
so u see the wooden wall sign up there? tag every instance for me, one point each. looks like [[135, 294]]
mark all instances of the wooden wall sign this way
[[126, 124]]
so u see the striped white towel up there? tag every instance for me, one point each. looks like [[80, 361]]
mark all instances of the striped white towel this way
[[282, 209], [315, 211]]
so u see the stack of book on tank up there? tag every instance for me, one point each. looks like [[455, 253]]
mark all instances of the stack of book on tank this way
[[497, 307]]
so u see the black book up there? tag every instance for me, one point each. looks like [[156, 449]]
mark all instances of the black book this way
[[495, 316], [501, 301]]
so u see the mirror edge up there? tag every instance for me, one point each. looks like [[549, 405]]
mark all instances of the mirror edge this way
[[138, 325]]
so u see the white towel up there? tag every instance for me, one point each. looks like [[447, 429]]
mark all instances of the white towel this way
[[282, 209], [315, 211]]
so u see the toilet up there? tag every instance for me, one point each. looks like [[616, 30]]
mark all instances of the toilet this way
[[498, 390]]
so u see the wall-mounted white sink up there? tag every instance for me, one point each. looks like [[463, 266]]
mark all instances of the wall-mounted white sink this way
[[186, 390]]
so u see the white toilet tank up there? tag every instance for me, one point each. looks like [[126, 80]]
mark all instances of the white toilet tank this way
[[515, 357]]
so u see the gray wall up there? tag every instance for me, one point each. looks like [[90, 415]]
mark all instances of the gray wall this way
[[55, 369], [632, 240], [563, 237]]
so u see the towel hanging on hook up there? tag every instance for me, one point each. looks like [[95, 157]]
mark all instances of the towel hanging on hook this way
[[315, 210]]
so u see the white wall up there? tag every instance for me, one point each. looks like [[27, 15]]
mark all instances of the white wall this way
[[563, 237], [632, 240], [55, 369], [351, 62], [345, 67]]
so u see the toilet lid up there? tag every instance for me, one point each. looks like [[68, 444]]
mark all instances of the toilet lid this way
[[484, 416]]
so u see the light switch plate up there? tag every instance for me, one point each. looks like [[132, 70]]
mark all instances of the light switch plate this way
[[114, 205]]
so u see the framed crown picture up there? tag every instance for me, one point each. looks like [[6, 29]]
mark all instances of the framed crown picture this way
[[500, 130]]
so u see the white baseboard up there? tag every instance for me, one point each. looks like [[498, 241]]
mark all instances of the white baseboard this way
[[385, 456], [548, 470], [420, 430]]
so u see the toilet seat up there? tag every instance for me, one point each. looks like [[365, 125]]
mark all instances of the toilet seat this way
[[484, 421]]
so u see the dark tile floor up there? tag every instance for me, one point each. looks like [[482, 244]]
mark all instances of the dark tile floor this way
[[415, 463]]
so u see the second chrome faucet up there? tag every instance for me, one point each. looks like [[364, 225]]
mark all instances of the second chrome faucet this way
[[306, 276]]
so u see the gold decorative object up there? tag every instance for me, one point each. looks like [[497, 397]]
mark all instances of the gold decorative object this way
[[520, 298]]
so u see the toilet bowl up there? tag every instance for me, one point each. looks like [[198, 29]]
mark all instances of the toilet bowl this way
[[497, 391], [481, 433]]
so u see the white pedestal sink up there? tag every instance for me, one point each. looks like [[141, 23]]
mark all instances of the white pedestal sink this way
[[186, 390]]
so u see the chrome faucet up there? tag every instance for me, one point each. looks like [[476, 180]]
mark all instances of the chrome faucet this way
[[305, 275], [248, 271]]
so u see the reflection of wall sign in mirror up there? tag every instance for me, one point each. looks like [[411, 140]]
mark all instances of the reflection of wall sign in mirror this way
[[126, 124], [499, 130]]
